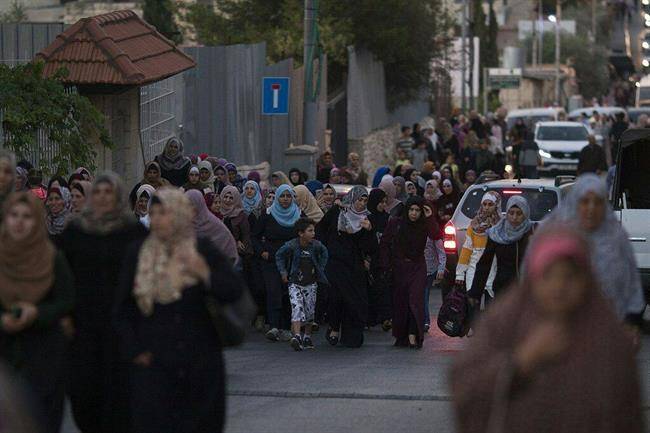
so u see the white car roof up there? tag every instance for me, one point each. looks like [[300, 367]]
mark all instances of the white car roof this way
[[514, 183], [562, 124]]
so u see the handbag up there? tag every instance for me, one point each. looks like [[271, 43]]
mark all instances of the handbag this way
[[231, 320]]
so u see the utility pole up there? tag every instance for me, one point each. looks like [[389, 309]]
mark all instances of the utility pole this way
[[533, 20], [309, 105], [463, 58], [540, 16], [558, 18]]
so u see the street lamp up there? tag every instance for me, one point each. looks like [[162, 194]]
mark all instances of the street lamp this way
[[555, 19]]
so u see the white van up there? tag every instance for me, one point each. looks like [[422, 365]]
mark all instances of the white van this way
[[533, 115], [631, 196], [643, 92]]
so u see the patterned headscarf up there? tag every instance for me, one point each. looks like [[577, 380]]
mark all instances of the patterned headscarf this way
[[486, 219], [161, 274], [349, 218], [56, 222]]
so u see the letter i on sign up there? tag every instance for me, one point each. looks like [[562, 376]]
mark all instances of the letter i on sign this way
[[276, 95]]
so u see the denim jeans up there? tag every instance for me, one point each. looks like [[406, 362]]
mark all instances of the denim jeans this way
[[427, 288]]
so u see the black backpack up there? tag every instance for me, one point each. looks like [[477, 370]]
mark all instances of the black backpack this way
[[453, 317]]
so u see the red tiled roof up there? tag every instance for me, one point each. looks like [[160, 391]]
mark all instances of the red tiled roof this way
[[115, 48]]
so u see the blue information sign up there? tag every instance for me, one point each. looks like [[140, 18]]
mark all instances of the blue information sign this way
[[275, 95]]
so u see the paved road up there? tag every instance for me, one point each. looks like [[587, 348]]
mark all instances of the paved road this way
[[375, 389]]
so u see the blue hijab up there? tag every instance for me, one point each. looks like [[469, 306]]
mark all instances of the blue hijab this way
[[381, 172], [250, 204], [285, 217], [503, 232], [313, 186]]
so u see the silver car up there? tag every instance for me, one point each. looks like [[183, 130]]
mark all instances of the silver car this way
[[543, 196]]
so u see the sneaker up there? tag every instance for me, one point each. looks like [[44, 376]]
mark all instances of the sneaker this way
[[273, 334], [427, 327], [296, 343], [307, 343], [285, 335]]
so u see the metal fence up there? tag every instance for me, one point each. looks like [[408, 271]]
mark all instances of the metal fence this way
[[157, 117]]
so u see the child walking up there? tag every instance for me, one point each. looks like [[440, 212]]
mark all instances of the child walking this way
[[301, 263]]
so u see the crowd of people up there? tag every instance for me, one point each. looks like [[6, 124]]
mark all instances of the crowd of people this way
[[102, 291]]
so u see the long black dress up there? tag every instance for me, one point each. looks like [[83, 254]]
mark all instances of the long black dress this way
[[183, 390], [348, 278], [38, 354], [98, 389]]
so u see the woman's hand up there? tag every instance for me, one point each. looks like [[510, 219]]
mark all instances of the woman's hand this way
[[67, 326], [265, 255], [28, 314], [144, 359], [241, 247], [366, 224], [427, 211], [545, 343], [338, 202]]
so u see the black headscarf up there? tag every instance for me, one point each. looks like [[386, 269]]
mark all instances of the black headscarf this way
[[378, 219], [412, 235], [301, 179]]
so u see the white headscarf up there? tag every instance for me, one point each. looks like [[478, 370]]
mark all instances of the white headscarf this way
[[612, 256]]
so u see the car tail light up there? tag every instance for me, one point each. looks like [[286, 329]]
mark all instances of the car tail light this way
[[449, 238], [512, 191]]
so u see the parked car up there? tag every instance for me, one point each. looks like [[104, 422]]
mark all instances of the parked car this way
[[560, 144], [533, 115], [543, 196], [631, 198]]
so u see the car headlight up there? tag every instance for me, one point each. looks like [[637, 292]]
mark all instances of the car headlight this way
[[544, 154]]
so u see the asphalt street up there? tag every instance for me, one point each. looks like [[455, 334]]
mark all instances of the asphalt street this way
[[377, 388]]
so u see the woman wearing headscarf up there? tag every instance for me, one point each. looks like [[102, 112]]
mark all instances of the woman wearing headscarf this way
[[21, 183], [402, 255], [206, 177], [549, 356], [208, 226], [326, 198], [587, 210], [193, 180], [324, 166], [79, 195], [252, 197], [85, 173], [507, 242], [152, 176], [143, 197], [95, 243], [379, 292], [36, 291], [57, 182], [411, 190], [295, 177], [254, 176], [393, 205], [487, 216], [273, 229], [335, 176], [58, 210], [235, 178], [236, 220], [176, 373], [221, 179], [7, 176], [213, 202], [347, 233], [400, 189], [379, 174], [308, 204], [173, 163], [279, 178], [413, 176], [432, 192], [448, 202]]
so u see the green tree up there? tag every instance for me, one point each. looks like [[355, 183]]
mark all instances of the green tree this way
[[160, 14], [31, 103], [16, 13], [403, 34]]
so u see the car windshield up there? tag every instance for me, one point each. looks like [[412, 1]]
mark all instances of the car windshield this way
[[562, 133], [530, 121], [541, 202]]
